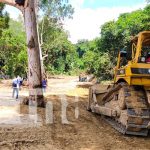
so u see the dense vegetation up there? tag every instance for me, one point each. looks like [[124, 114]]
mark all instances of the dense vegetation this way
[[59, 54], [99, 56]]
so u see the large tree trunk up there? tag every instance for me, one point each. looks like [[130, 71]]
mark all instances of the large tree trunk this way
[[34, 64]]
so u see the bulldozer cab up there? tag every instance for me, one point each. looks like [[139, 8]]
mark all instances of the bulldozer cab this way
[[137, 51], [141, 47], [136, 56]]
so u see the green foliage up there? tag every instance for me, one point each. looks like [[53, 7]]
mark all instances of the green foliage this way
[[118, 33], [4, 18], [60, 53], [98, 63], [100, 55], [84, 45], [57, 9], [13, 50]]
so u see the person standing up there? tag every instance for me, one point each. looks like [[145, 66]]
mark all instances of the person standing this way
[[16, 85], [44, 85], [20, 80]]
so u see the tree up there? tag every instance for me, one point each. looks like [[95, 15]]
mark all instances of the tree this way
[[56, 48], [13, 50], [4, 18], [34, 65], [56, 9], [54, 12]]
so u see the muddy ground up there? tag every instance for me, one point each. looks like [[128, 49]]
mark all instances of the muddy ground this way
[[84, 131]]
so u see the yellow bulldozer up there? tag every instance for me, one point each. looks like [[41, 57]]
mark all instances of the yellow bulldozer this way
[[126, 103]]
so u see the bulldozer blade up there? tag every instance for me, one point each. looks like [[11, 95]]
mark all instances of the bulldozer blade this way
[[104, 111], [96, 92]]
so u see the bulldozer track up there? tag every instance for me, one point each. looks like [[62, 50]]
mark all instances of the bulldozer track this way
[[116, 125], [138, 112]]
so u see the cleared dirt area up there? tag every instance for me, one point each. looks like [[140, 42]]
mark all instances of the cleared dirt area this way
[[84, 131]]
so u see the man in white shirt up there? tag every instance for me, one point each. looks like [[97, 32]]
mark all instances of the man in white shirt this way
[[16, 85]]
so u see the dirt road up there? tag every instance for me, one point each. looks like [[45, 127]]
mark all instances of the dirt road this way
[[84, 131]]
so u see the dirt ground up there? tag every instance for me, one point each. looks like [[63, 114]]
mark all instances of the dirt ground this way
[[84, 131]]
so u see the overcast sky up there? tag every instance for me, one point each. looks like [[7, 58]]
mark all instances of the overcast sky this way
[[91, 14]]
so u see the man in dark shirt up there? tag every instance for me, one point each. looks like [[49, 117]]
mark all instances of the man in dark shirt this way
[[44, 84]]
